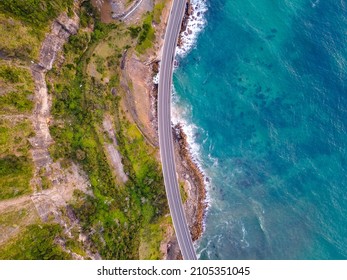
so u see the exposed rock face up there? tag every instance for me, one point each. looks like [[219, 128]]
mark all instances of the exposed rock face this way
[[62, 28], [42, 139], [113, 155], [187, 13], [50, 202]]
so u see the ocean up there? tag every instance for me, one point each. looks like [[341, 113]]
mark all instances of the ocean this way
[[261, 89]]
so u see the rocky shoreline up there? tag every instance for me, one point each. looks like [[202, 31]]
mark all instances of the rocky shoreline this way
[[189, 174], [187, 14], [193, 182], [195, 205]]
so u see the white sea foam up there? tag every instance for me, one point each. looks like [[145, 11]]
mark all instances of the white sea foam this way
[[195, 24], [180, 115], [156, 79]]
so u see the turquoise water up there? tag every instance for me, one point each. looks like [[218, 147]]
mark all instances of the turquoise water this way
[[266, 88]]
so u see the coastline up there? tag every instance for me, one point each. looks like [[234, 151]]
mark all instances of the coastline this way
[[194, 183], [142, 69], [191, 177]]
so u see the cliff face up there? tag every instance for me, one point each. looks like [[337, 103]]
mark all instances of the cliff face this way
[[55, 181], [62, 28], [53, 202], [51, 185]]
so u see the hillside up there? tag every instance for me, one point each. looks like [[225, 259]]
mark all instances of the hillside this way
[[79, 170]]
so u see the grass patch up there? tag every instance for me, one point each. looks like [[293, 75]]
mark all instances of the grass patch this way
[[15, 174], [14, 137], [13, 75], [14, 219], [16, 167], [117, 217], [151, 238], [24, 44], [16, 89], [146, 35], [36, 13], [157, 11], [26, 23], [37, 242], [16, 102], [104, 64], [184, 195]]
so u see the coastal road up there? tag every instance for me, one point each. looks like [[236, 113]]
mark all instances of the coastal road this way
[[165, 131]]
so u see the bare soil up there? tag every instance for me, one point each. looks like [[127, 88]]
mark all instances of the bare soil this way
[[113, 154], [140, 76]]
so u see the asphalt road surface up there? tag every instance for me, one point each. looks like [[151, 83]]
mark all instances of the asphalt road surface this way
[[165, 131]]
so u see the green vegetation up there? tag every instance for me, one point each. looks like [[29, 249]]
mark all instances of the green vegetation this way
[[86, 10], [15, 174], [151, 238], [37, 13], [123, 221], [37, 242], [16, 86], [24, 44], [157, 11], [146, 36], [16, 102], [100, 64], [26, 22], [184, 195], [13, 217], [12, 75], [14, 137], [118, 218], [16, 168]]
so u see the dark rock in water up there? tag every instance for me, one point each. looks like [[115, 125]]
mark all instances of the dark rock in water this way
[[270, 37], [258, 89], [273, 30]]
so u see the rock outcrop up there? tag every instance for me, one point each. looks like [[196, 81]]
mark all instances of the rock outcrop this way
[[62, 28]]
